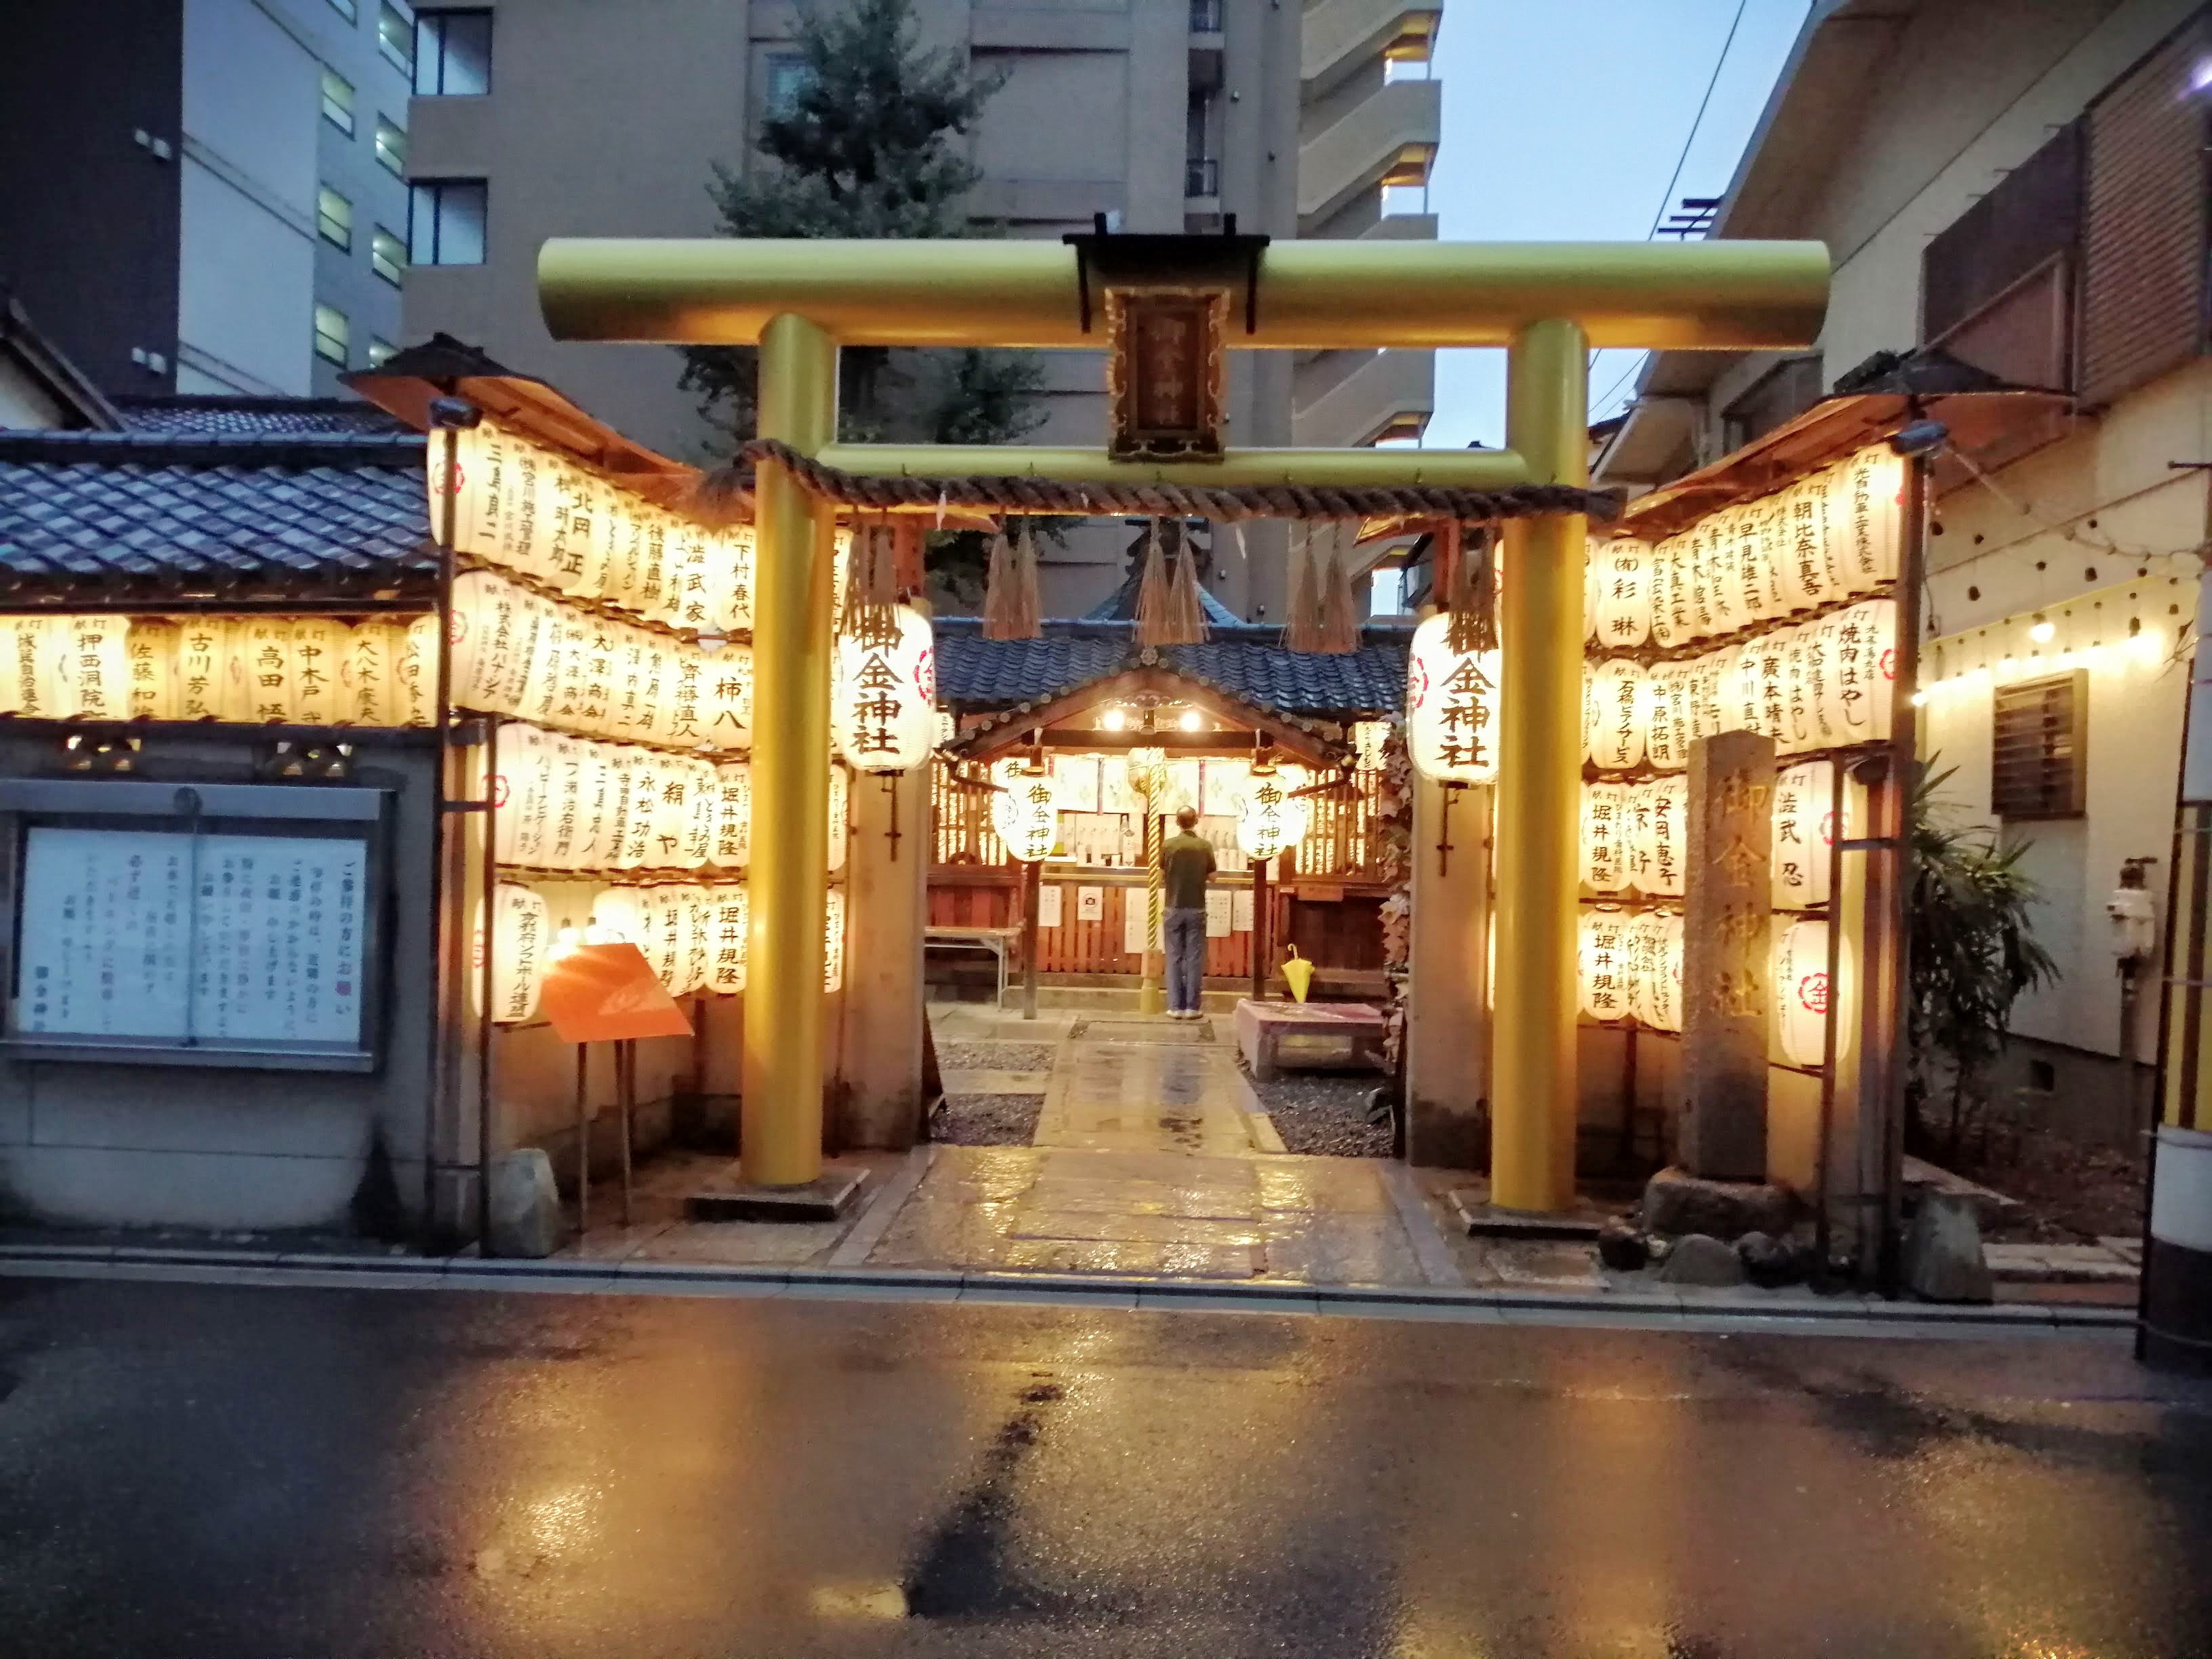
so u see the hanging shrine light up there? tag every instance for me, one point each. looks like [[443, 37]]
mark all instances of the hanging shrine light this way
[[1145, 770], [1272, 817], [1025, 812], [883, 710], [1451, 707]]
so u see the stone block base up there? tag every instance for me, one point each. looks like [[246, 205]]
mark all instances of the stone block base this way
[[1675, 1203], [823, 1199]]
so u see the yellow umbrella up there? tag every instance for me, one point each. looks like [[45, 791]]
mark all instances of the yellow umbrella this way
[[1299, 974]]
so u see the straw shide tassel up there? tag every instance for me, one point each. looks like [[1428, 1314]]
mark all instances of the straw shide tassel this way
[[1154, 621], [1302, 627], [1338, 629], [871, 586]]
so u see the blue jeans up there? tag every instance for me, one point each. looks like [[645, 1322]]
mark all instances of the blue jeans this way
[[1183, 936]]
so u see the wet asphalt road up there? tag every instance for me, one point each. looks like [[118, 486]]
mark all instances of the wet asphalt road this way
[[216, 1471]]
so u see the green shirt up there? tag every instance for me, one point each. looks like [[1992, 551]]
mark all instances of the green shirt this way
[[1186, 861]]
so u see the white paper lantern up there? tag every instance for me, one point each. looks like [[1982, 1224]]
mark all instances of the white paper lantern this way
[[641, 825], [621, 795], [1670, 610], [538, 686], [730, 580], [203, 672], [318, 648], [517, 793], [730, 919], [1606, 830], [690, 579], [1025, 812], [1866, 507], [1802, 991], [1811, 576], [1745, 561], [1803, 833], [150, 659], [568, 768], [833, 941], [1656, 810], [416, 673], [1662, 984], [692, 931], [368, 687], [705, 799], [727, 696], [1272, 817], [840, 816], [1624, 599], [884, 708], [1451, 707], [1592, 586], [1602, 959], [733, 847], [521, 938], [91, 660], [1640, 947], [1666, 716], [1716, 537], [1694, 579], [1800, 728], [489, 634], [1622, 709], [620, 915], [1770, 657], [1743, 707], [1865, 667], [671, 834]]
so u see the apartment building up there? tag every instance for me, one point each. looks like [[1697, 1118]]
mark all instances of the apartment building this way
[[2013, 194], [206, 196], [547, 118]]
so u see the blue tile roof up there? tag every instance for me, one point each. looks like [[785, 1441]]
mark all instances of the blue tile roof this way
[[974, 675], [137, 515]]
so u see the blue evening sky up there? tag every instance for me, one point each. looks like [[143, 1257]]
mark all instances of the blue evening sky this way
[[1563, 120]]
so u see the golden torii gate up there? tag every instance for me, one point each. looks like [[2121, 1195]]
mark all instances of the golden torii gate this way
[[1549, 304]]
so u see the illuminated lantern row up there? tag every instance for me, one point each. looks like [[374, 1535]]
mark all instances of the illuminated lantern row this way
[[1826, 683], [1631, 967], [883, 708], [694, 935], [1451, 708], [1025, 810], [1830, 537], [300, 671], [539, 514], [1635, 836], [516, 652]]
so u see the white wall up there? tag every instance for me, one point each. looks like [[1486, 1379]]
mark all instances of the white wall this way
[[246, 283]]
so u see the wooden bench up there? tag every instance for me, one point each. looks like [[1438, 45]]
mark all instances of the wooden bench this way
[[1352, 1032]]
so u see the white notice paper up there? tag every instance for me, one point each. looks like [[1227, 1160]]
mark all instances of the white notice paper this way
[[1240, 909], [1218, 912], [1091, 904], [1049, 904], [1136, 921]]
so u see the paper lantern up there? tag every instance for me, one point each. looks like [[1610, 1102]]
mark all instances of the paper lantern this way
[[1605, 837], [685, 725], [727, 696], [1025, 812], [1670, 608], [1742, 554], [521, 936], [1803, 833], [663, 944], [1769, 660], [641, 822], [585, 695], [1743, 707], [201, 667], [833, 941], [91, 655], [1621, 710], [840, 817], [883, 707], [706, 802], [1624, 598], [150, 651], [729, 919], [319, 650], [1866, 507], [691, 931], [670, 831], [1666, 718], [1799, 730], [568, 762], [619, 915], [1592, 586], [488, 636], [732, 847], [1716, 537], [1603, 961], [1451, 707], [1272, 818], [1640, 949], [369, 689], [1694, 581], [1801, 992], [1658, 811], [517, 793], [537, 686], [730, 580], [1661, 959], [1865, 669], [416, 673], [1811, 576], [690, 579]]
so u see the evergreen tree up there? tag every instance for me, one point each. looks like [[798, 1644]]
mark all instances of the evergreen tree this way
[[863, 149]]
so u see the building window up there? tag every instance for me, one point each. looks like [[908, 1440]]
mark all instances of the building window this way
[[787, 79], [392, 146], [337, 101], [334, 218], [387, 256], [381, 352], [2039, 750], [395, 36], [1387, 593], [347, 9], [452, 54], [446, 222], [331, 335]]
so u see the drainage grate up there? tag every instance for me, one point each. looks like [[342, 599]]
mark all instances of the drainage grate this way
[[1146, 1030]]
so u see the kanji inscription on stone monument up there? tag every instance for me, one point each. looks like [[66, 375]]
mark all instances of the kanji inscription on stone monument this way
[[1725, 968]]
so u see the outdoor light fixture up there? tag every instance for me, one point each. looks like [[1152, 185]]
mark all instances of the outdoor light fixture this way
[[1920, 438], [1115, 719], [1190, 721], [2043, 632]]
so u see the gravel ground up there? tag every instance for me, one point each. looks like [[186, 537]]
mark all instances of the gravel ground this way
[[1325, 1112], [986, 1119], [996, 1056]]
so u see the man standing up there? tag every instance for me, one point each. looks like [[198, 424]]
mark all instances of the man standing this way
[[1186, 862]]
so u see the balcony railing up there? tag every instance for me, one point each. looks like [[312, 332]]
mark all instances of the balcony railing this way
[[1201, 176], [1206, 16]]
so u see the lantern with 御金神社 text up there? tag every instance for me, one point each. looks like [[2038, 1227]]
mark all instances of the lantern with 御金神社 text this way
[[1451, 706], [1025, 812], [1272, 817], [884, 708]]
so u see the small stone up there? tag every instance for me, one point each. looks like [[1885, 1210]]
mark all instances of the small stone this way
[[1677, 1202], [1771, 1262], [1700, 1259], [525, 1209], [1943, 1258], [1621, 1248]]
